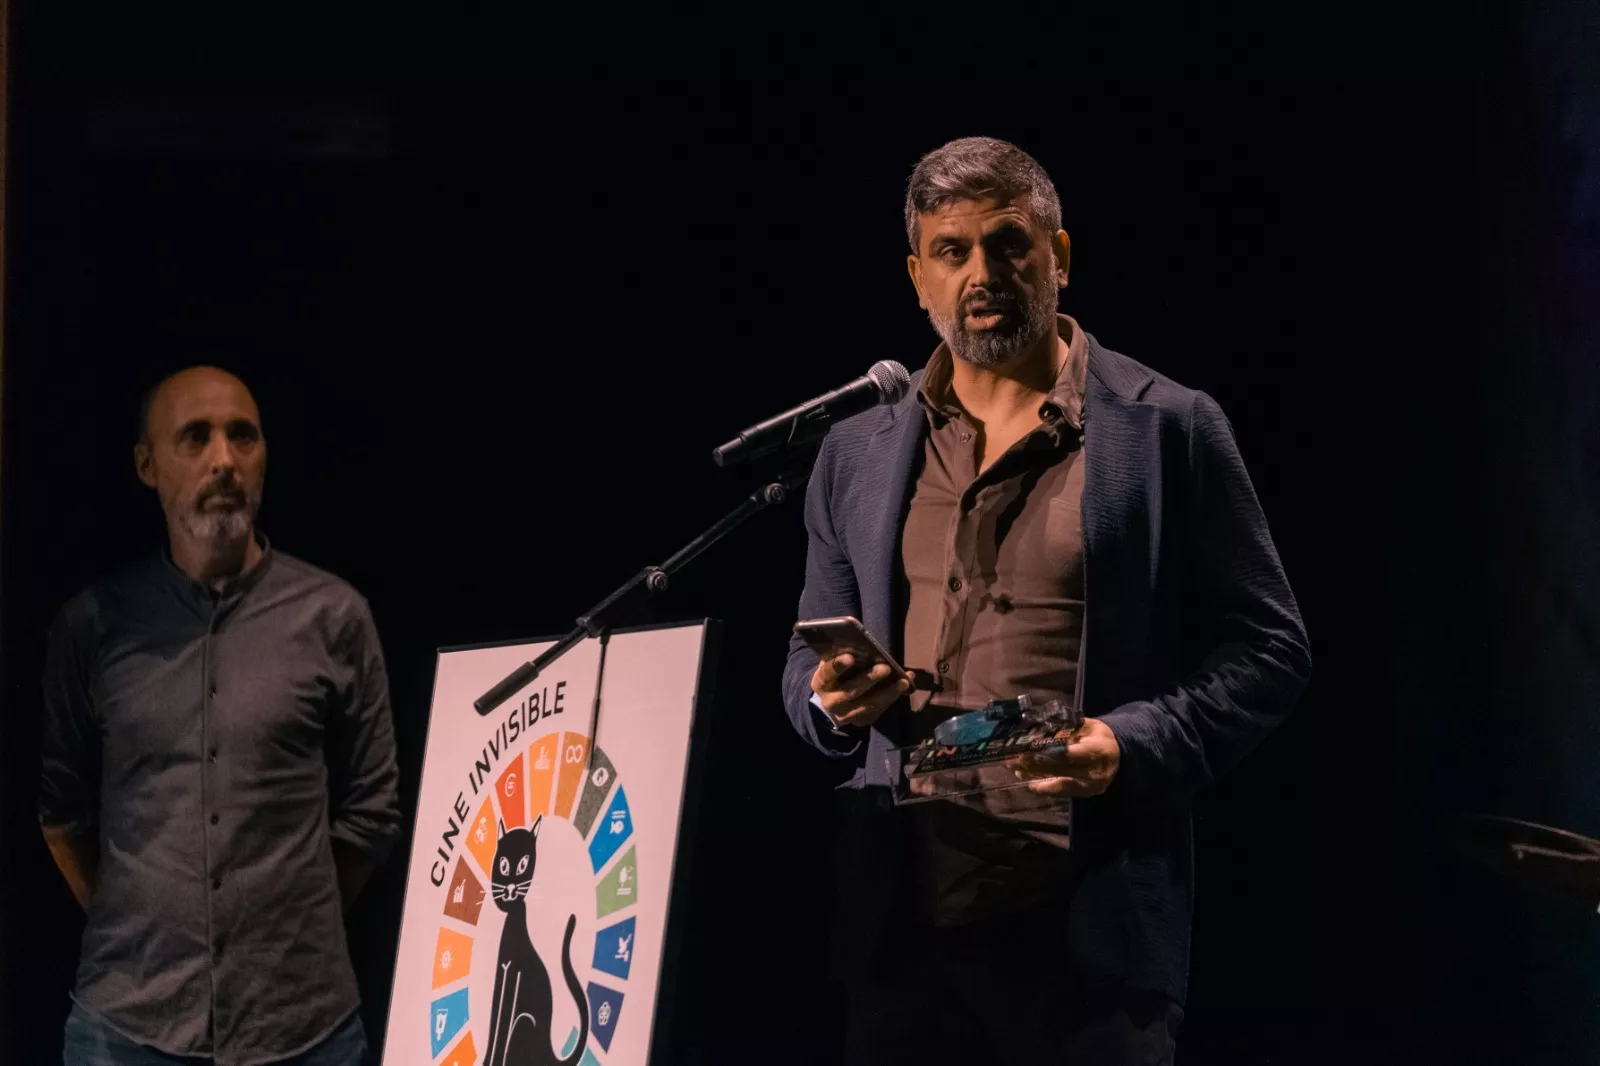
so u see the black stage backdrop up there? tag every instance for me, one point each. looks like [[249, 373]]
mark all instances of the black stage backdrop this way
[[500, 285]]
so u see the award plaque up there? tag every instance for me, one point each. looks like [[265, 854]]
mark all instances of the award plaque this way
[[972, 752]]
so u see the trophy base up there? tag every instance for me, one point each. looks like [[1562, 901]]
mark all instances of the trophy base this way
[[975, 752]]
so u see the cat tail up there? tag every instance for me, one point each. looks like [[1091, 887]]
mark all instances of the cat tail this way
[[576, 987]]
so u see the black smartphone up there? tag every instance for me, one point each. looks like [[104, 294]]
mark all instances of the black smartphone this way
[[829, 636]]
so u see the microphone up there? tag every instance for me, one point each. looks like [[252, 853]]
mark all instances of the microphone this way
[[886, 382]]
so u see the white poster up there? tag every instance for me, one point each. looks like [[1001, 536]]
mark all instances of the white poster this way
[[537, 890]]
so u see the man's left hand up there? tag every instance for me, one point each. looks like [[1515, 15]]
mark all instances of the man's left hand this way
[[1086, 767]]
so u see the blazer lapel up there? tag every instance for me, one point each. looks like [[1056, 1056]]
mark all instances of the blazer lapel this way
[[1121, 519], [889, 460]]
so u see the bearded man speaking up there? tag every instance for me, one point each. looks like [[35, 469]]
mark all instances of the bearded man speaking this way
[[1043, 517]]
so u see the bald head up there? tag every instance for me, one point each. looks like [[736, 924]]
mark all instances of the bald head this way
[[182, 384], [202, 450]]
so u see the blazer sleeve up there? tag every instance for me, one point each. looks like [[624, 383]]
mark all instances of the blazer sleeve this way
[[1238, 603], [830, 591]]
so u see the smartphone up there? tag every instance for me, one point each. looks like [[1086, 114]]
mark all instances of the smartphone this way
[[829, 636]]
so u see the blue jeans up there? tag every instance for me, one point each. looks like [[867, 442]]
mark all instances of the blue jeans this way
[[91, 1042]]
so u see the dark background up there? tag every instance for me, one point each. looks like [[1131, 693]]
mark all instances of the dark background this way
[[500, 284]]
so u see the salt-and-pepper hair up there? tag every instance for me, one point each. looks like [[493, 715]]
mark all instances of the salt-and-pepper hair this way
[[978, 168]]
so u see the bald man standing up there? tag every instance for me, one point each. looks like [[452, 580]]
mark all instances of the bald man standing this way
[[218, 771]]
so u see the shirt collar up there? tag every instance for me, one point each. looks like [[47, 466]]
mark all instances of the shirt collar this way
[[236, 585], [1063, 402]]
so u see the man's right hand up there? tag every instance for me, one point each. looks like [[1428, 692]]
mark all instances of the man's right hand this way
[[854, 696], [77, 853]]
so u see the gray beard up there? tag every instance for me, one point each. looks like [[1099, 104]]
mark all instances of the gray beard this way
[[214, 527], [991, 348]]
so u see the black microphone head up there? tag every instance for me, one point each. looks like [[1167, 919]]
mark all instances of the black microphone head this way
[[892, 380]]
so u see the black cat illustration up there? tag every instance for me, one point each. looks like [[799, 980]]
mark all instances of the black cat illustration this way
[[520, 1033]]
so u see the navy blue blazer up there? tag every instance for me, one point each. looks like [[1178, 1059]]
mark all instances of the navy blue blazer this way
[[1193, 646]]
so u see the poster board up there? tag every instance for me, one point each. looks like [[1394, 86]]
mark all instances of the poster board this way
[[524, 830]]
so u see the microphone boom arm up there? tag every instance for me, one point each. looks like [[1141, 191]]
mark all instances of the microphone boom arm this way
[[652, 579]]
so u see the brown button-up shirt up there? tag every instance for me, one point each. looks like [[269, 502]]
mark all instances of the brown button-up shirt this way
[[994, 561], [993, 569]]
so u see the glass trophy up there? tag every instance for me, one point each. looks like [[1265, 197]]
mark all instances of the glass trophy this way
[[972, 752]]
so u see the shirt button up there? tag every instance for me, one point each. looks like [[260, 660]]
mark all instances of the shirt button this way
[[215, 819], [966, 438], [212, 754], [955, 584], [944, 666], [216, 884]]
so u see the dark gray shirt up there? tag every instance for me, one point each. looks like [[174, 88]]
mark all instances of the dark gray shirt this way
[[218, 743]]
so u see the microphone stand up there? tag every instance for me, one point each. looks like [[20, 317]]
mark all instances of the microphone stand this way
[[652, 579]]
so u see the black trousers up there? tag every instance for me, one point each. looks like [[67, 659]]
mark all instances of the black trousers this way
[[998, 994]]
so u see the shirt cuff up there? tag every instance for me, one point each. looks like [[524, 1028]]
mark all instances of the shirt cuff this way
[[374, 844], [825, 721], [67, 825]]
